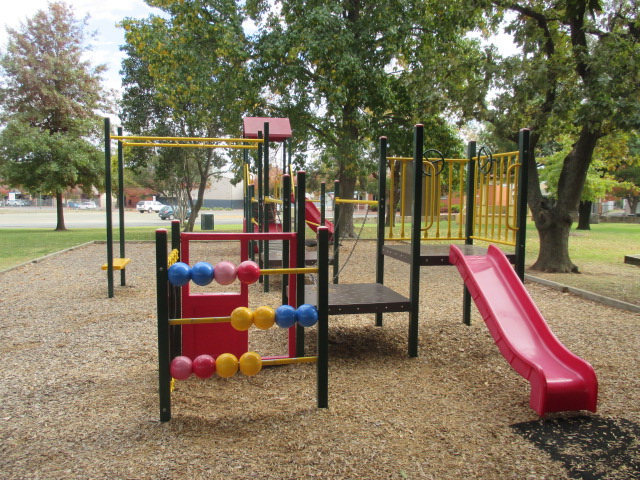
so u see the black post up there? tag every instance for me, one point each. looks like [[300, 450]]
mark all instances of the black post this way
[[323, 203], [323, 319], [414, 273], [260, 205], [286, 227], [521, 234], [121, 205], [470, 208], [336, 231], [300, 257], [267, 206], [382, 199], [175, 297], [107, 181], [164, 375]]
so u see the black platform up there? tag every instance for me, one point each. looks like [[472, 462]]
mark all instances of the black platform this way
[[345, 299], [632, 259], [434, 254]]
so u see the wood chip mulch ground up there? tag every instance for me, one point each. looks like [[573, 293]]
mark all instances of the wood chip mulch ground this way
[[78, 388]]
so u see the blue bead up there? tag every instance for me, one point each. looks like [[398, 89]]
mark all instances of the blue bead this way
[[307, 315], [202, 273], [179, 274], [286, 316]]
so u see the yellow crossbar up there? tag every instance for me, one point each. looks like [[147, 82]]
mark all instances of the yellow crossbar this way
[[288, 361], [118, 264], [287, 271], [198, 321], [362, 202]]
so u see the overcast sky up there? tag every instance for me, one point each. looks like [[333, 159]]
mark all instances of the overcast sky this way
[[104, 16]]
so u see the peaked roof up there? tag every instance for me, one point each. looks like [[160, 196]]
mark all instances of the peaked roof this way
[[279, 128]]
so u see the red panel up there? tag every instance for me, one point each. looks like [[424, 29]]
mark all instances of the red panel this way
[[216, 338], [279, 128]]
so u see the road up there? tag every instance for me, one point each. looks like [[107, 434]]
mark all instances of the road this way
[[45, 217]]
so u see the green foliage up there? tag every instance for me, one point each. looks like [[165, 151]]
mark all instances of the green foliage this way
[[49, 98], [186, 74]]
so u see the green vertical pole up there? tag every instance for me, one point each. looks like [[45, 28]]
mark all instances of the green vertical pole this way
[[300, 258], [175, 310], [250, 225], [414, 273], [286, 227], [267, 206], [524, 141], [323, 319], [323, 203], [260, 204], [247, 198], [107, 181], [164, 375], [470, 208], [121, 205], [382, 200], [336, 231]]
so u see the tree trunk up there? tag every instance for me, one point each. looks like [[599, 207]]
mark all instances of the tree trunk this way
[[554, 223], [584, 215], [345, 220], [60, 212], [554, 226]]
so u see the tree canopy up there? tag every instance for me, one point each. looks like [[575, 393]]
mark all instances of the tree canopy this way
[[49, 97], [186, 74]]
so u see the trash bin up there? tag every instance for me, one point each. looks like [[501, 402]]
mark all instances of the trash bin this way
[[206, 221]]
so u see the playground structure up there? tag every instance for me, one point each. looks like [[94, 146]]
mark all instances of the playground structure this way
[[112, 264], [209, 330], [494, 212]]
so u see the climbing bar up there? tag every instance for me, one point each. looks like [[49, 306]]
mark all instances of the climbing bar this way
[[198, 321], [187, 139], [361, 202], [287, 271], [186, 145], [288, 361]]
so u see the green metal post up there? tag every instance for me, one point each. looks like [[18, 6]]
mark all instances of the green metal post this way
[[524, 141], [175, 294], [107, 181], [164, 375], [323, 203], [323, 319], [121, 205], [336, 231], [382, 200], [286, 227], [267, 206], [470, 208], [414, 273], [260, 205], [300, 256]]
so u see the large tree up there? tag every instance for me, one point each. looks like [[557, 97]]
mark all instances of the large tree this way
[[186, 74], [577, 73], [49, 96], [335, 68]]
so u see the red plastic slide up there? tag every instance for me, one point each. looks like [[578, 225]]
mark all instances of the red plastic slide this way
[[312, 216], [560, 381]]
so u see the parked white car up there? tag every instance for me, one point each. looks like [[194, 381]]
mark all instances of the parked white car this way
[[149, 206], [87, 206]]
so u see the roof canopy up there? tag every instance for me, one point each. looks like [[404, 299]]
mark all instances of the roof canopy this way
[[279, 128]]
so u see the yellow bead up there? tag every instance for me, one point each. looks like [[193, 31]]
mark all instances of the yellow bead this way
[[264, 317], [250, 363], [242, 318], [227, 365]]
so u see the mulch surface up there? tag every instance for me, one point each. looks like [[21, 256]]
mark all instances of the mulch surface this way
[[78, 384]]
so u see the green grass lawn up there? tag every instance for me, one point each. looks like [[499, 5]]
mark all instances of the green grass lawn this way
[[599, 252], [20, 245]]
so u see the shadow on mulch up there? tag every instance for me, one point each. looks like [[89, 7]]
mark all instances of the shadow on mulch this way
[[591, 448]]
